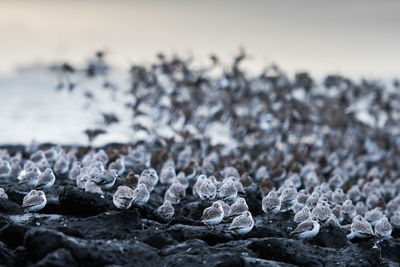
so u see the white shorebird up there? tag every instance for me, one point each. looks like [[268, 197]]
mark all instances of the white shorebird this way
[[34, 201], [123, 197], [166, 210], [307, 229], [213, 215], [242, 224], [271, 203]]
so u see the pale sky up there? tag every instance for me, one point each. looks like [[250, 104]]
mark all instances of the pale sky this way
[[349, 37]]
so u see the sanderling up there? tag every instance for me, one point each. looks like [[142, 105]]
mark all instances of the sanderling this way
[[141, 195], [261, 173], [307, 229], [321, 212], [29, 176], [354, 193], [339, 197], [37, 156], [360, 228], [229, 171], [81, 180], [62, 165], [181, 178], [246, 179], [15, 167], [395, 219], [215, 182], [153, 176], [207, 190], [144, 179], [374, 215], [213, 215], [51, 154], [374, 200], [123, 197], [225, 207], [383, 228], [348, 210], [190, 170], [177, 189], [207, 167], [312, 200], [288, 198], [46, 179], [392, 206], [271, 203], [184, 157], [3, 194], [361, 209], [166, 210], [34, 201], [266, 185], [167, 174], [94, 168], [311, 180], [238, 207], [43, 165], [336, 181], [238, 184], [5, 169], [92, 187], [242, 224], [105, 179], [75, 170], [118, 166], [295, 179], [131, 179], [337, 212], [101, 155], [302, 196], [302, 215], [228, 191]]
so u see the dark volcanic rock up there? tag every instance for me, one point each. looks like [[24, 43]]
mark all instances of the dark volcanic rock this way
[[78, 202], [109, 225], [12, 234], [8, 206], [184, 232], [331, 236], [7, 258], [40, 242], [302, 253], [58, 258]]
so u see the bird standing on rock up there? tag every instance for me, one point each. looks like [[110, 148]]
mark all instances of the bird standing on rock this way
[[271, 203], [242, 224], [166, 210], [141, 195], [46, 179], [213, 215], [123, 197], [5, 169], [307, 229], [34, 201], [105, 179]]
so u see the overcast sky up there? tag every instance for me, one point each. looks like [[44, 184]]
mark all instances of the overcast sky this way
[[349, 37]]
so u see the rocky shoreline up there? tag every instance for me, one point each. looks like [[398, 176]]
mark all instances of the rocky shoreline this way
[[78, 228]]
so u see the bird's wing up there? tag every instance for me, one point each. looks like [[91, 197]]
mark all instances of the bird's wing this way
[[32, 201], [303, 227]]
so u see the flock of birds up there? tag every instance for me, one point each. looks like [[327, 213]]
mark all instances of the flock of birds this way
[[328, 153], [369, 206]]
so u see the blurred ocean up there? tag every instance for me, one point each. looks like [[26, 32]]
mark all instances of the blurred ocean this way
[[354, 38], [31, 109]]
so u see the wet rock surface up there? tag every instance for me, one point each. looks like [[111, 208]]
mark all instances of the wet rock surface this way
[[85, 229]]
